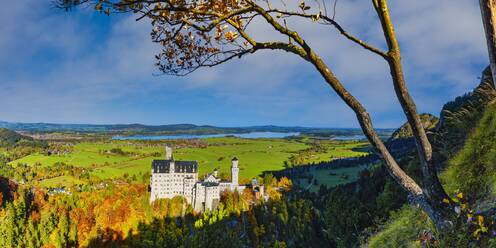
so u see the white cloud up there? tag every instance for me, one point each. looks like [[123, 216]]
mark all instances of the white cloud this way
[[442, 42]]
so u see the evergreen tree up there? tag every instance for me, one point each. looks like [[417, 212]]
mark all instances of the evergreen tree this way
[[7, 225], [32, 239], [63, 231]]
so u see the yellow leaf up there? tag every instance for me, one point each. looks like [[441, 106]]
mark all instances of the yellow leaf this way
[[446, 201], [460, 195], [480, 218]]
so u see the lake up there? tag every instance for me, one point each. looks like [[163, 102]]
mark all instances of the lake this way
[[252, 135]]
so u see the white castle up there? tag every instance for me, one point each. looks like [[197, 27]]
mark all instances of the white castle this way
[[172, 178]]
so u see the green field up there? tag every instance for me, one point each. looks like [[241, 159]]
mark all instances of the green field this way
[[329, 177], [255, 156], [62, 180]]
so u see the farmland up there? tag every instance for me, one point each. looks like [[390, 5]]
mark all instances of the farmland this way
[[118, 159]]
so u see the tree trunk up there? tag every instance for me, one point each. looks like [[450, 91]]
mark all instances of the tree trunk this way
[[434, 191], [438, 213], [488, 10], [429, 197]]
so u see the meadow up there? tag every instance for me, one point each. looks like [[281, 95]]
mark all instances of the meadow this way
[[134, 158], [330, 177]]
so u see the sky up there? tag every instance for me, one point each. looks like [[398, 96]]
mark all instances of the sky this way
[[85, 67]]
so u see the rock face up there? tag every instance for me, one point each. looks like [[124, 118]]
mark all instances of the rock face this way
[[401, 141], [405, 131]]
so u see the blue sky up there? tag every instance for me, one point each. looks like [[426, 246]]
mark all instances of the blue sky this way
[[84, 67]]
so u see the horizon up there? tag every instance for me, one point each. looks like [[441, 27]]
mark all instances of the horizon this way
[[198, 125]]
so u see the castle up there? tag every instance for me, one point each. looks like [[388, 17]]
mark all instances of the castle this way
[[172, 178]]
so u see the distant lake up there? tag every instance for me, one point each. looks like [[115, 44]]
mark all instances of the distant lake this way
[[252, 135], [349, 137]]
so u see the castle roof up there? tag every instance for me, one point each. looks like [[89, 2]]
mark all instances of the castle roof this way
[[234, 159], [209, 184], [163, 166]]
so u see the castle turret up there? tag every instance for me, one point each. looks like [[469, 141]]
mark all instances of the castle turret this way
[[216, 172], [172, 166], [234, 171], [168, 153]]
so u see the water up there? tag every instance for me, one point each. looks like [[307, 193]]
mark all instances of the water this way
[[349, 137], [252, 135]]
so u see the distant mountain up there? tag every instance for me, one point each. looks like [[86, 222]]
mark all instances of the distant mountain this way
[[128, 129]]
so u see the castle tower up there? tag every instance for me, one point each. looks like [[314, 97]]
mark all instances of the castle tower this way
[[234, 171], [168, 156], [168, 152], [172, 166]]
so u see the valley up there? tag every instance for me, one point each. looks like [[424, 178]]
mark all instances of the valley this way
[[130, 160]]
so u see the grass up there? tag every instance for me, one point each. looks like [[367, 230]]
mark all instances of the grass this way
[[329, 177], [473, 170], [60, 181], [255, 156], [402, 229], [338, 149]]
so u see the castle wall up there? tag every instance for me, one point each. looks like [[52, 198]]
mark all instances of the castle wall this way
[[169, 185]]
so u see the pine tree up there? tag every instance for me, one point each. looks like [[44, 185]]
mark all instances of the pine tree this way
[[63, 231], [32, 239], [7, 223], [47, 225]]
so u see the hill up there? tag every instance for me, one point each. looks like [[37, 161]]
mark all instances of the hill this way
[[459, 117], [173, 129], [473, 169], [405, 131], [465, 140], [10, 139]]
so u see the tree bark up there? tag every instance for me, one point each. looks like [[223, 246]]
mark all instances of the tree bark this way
[[488, 11], [437, 213], [406, 182], [430, 197]]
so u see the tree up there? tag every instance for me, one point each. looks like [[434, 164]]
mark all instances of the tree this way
[[195, 34], [488, 11], [32, 238], [63, 231], [8, 224]]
